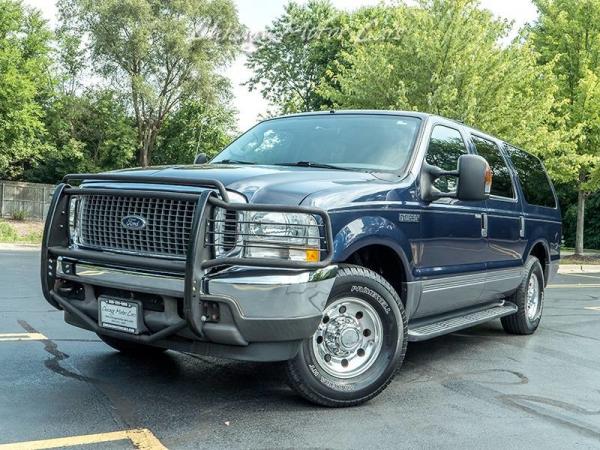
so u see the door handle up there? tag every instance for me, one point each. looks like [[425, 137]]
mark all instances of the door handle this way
[[522, 227], [484, 224]]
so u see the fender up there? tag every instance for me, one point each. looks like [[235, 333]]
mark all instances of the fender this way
[[548, 264], [532, 244], [372, 230], [376, 230], [546, 232]]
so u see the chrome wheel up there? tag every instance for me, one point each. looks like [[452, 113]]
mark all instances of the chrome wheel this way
[[349, 338], [533, 297]]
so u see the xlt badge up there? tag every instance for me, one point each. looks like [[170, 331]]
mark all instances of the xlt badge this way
[[409, 218]]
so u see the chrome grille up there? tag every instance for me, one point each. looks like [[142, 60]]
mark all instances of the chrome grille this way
[[168, 224]]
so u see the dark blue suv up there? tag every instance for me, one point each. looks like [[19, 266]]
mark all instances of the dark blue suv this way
[[326, 240]]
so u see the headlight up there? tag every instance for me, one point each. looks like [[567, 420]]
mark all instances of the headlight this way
[[226, 232], [74, 205], [262, 234], [291, 236]]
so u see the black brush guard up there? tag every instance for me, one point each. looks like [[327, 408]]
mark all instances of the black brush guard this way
[[56, 244]]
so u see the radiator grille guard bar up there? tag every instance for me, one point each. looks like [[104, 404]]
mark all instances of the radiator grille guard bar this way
[[199, 257], [171, 237], [173, 233]]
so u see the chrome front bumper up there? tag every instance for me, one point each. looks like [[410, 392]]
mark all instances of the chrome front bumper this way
[[256, 293]]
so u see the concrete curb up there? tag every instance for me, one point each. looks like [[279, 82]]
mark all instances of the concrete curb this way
[[578, 268], [21, 247]]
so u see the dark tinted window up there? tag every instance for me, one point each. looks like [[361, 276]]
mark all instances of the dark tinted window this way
[[533, 178], [445, 147], [502, 182]]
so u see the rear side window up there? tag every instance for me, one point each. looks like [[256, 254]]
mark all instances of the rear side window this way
[[532, 176], [445, 147], [502, 182]]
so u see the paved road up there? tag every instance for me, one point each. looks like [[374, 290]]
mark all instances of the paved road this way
[[471, 389]]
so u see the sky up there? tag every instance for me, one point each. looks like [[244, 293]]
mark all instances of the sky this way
[[256, 14]]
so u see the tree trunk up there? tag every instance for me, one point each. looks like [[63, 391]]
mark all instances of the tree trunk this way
[[147, 142], [144, 160], [151, 143], [580, 223]]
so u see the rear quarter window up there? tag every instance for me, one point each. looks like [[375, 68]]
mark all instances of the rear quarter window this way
[[533, 178]]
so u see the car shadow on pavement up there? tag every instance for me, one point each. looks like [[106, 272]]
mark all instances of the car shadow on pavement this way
[[192, 382]]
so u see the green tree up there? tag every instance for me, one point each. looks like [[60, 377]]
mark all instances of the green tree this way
[[91, 132], [71, 56], [197, 127], [24, 81], [158, 52], [293, 54], [592, 222], [568, 33], [447, 57]]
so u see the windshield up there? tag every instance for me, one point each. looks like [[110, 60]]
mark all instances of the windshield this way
[[346, 141]]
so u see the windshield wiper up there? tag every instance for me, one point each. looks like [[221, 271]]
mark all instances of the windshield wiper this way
[[312, 164], [234, 161]]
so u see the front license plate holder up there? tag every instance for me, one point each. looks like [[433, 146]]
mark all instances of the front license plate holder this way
[[120, 315]]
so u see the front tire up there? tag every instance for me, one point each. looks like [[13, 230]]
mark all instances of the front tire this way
[[529, 299], [359, 345]]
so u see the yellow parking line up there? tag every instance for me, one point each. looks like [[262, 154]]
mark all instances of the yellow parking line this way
[[142, 439], [22, 337]]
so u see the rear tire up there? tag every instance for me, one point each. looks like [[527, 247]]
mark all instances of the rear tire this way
[[131, 348], [359, 345], [529, 299]]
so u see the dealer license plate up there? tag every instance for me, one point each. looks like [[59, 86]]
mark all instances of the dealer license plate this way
[[117, 314]]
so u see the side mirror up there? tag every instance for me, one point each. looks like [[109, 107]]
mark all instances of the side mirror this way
[[474, 180], [200, 158]]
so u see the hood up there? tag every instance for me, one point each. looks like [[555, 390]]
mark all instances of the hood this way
[[280, 184]]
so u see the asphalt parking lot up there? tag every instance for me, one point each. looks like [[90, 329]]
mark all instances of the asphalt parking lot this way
[[480, 388]]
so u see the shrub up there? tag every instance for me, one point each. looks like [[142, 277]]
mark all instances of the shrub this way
[[19, 215], [34, 237], [7, 233]]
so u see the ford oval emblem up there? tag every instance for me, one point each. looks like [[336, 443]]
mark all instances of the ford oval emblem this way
[[133, 223]]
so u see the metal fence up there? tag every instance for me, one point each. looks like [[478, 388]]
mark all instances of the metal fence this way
[[25, 200]]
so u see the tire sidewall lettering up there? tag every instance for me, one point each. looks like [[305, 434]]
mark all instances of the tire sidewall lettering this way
[[374, 295], [348, 387]]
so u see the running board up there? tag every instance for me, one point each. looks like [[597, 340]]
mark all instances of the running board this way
[[432, 330]]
